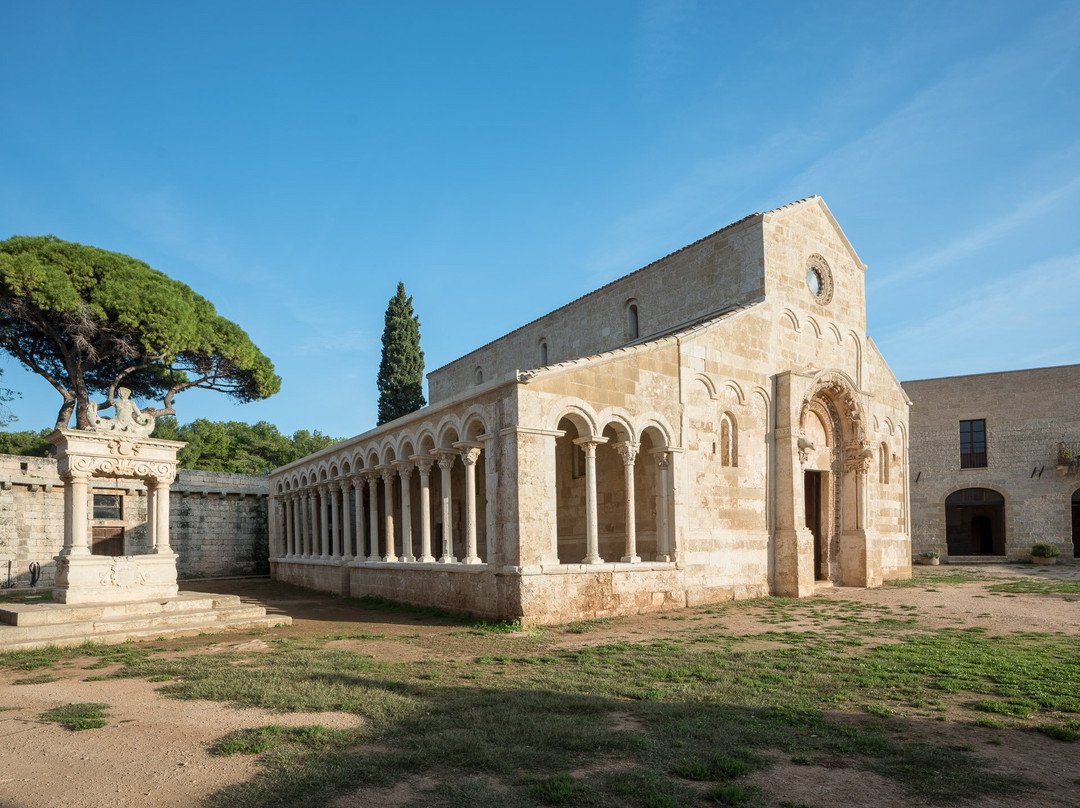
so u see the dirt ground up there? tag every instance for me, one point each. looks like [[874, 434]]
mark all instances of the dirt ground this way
[[154, 750]]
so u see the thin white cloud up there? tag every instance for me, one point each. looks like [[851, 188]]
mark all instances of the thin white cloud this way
[[340, 343], [994, 328], [980, 238]]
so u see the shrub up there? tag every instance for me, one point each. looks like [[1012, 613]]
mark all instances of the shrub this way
[[1044, 550]]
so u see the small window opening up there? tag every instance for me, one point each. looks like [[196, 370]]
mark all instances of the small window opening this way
[[24, 466], [973, 444], [479, 376], [108, 506], [543, 353], [632, 329], [729, 442]]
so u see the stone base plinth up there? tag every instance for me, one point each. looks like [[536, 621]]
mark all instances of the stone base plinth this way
[[38, 625], [111, 579]]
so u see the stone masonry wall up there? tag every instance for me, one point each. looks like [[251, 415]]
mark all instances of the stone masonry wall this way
[[217, 521], [1027, 413]]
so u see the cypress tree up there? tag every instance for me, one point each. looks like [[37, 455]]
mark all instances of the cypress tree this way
[[401, 371]]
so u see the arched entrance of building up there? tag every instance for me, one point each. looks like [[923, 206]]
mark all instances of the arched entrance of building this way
[[975, 522], [1076, 523], [835, 458]]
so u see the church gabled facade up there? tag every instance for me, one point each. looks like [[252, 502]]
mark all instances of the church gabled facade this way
[[715, 425]]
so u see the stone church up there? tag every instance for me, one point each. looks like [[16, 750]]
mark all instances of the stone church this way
[[715, 425]]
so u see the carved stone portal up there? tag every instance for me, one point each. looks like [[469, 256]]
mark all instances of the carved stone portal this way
[[119, 453]]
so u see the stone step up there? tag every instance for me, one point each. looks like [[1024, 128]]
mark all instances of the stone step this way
[[121, 636], [34, 614], [42, 624], [91, 628]]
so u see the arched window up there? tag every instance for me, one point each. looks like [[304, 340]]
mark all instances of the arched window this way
[[632, 329], [729, 441], [883, 464], [543, 353], [479, 375]]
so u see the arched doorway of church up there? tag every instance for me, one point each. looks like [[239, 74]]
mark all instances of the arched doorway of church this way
[[975, 522], [835, 460], [1076, 523]]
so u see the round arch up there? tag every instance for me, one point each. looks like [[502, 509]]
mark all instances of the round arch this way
[[975, 522]]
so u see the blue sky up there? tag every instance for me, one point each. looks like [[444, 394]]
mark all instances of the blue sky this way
[[292, 161]]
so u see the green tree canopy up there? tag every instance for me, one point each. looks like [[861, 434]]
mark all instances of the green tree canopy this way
[[401, 371], [238, 447], [29, 444], [90, 321]]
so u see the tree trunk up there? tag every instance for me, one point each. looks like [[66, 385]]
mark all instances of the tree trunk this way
[[63, 418]]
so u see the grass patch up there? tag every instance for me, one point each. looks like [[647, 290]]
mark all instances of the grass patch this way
[[25, 595], [86, 715], [559, 789], [520, 722], [1031, 587], [1059, 732], [40, 679]]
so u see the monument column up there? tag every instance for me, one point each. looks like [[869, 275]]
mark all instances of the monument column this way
[[76, 514], [405, 470], [424, 463], [592, 539], [161, 514], [446, 463], [297, 515], [629, 452]]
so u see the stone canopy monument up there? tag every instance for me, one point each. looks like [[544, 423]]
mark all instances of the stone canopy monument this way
[[120, 448], [134, 593]]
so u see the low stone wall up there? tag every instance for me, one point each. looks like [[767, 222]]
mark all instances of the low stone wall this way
[[217, 523]]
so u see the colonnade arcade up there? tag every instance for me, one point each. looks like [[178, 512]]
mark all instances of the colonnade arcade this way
[[426, 506], [613, 493]]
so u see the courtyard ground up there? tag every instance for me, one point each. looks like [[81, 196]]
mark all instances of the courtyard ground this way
[[961, 686]]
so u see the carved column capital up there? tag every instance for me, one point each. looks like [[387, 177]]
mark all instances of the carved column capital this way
[[387, 473], [446, 460], [627, 451], [423, 463], [404, 469]]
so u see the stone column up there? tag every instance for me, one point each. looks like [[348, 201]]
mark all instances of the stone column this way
[[76, 517], [161, 516], [335, 519], [405, 470], [388, 476], [469, 456], [372, 480], [151, 514], [446, 463], [629, 452], [309, 524], [358, 514], [663, 504], [297, 514], [346, 519], [592, 538], [289, 524], [424, 463], [324, 521]]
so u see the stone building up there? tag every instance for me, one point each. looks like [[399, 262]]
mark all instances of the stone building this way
[[217, 522], [995, 463], [715, 425]]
